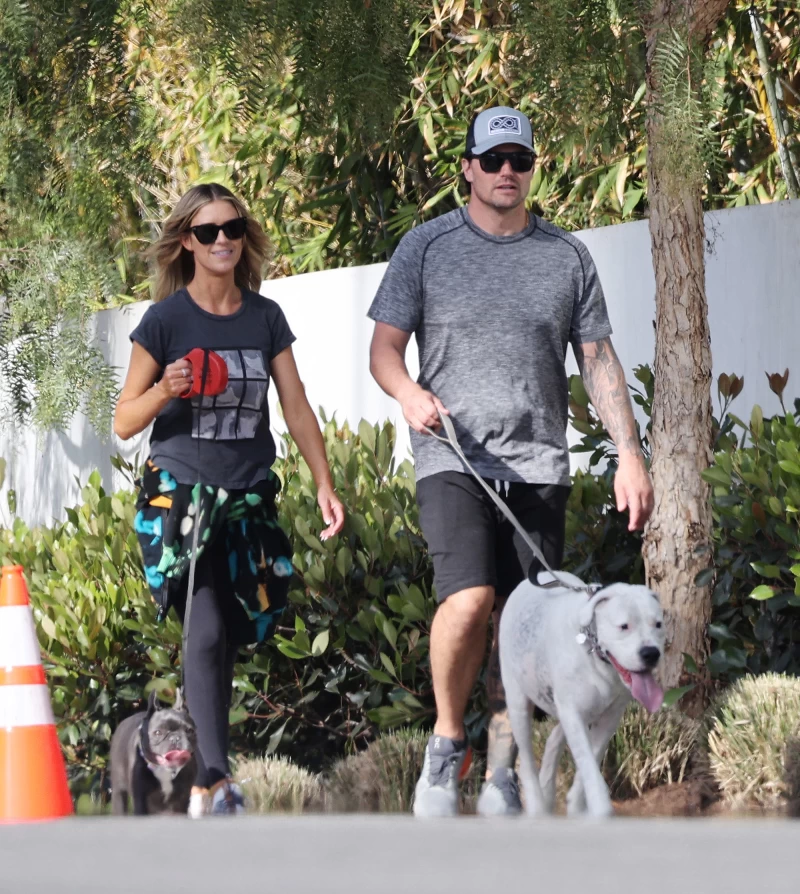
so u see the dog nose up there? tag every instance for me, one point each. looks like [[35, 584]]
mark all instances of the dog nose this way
[[650, 655]]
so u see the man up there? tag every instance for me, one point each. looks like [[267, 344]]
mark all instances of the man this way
[[494, 295]]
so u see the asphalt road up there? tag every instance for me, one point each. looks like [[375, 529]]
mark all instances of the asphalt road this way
[[356, 854]]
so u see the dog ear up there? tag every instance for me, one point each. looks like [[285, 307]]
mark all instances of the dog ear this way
[[152, 703], [179, 705], [587, 611]]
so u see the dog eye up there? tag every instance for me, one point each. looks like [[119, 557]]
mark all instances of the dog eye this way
[[658, 625], [623, 626]]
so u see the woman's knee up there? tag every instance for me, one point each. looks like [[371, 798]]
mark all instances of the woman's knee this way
[[207, 636]]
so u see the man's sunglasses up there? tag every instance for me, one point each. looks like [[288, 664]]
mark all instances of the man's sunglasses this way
[[492, 162], [206, 234]]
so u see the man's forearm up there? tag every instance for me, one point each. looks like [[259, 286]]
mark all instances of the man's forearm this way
[[604, 380], [390, 371]]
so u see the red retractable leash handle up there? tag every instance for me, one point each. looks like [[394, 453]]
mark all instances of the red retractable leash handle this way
[[209, 373]]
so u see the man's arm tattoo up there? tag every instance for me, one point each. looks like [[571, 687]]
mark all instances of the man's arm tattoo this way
[[605, 384]]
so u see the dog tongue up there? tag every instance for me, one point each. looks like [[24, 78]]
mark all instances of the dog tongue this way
[[177, 757], [646, 690]]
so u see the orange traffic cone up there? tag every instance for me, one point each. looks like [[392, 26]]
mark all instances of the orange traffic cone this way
[[33, 779]]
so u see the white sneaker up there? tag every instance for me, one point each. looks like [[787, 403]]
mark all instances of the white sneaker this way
[[199, 804]]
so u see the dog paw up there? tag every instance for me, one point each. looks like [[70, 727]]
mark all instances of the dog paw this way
[[600, 812]]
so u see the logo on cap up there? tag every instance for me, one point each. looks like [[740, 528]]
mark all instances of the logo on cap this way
[[505, 124]]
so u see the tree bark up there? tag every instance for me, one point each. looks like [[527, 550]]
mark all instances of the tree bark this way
[[677, 543]]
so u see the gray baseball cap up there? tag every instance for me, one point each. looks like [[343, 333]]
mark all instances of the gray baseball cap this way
[[493, 127]]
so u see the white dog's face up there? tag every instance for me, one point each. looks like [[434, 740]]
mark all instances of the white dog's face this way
[[630, 629]]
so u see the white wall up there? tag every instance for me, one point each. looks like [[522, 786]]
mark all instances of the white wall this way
[[753, 271]]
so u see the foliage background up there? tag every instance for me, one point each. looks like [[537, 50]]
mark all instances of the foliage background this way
[[340, 122]]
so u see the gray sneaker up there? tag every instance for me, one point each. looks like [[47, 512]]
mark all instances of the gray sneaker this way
[[500, 794], [436, 793]]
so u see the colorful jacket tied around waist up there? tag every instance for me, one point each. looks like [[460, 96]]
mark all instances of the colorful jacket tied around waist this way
[[259, 553]]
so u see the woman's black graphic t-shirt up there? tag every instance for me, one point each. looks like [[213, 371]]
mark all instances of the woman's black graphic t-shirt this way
[[225, 438]]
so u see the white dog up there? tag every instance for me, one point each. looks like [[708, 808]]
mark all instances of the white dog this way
[[581, 660]]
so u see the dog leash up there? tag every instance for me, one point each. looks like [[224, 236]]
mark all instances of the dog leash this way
[[196, 531], [452, 440]]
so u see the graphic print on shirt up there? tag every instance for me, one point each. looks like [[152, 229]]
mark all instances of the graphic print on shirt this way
[[234, 415]]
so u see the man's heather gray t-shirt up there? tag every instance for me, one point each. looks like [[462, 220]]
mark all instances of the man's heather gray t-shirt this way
[[493, 316]]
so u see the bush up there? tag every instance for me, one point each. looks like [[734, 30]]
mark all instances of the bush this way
[[350, 656], [277, 785], [751, 734], [756, 598], [101, 645], [649, 750]]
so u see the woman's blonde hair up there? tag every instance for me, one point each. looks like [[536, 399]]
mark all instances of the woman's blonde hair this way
[[175, 265]]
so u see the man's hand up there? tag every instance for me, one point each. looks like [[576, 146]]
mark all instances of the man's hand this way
[[634, 490], [421, 408]]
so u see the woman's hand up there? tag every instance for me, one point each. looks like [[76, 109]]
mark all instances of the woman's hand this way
[[332, 511], [177, 378]]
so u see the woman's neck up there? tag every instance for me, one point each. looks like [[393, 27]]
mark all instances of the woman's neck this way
[[217, 295]]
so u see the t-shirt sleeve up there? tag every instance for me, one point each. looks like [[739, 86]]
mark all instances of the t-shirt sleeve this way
[[398, 300], [282, 335], [590, 320], [151, 336]]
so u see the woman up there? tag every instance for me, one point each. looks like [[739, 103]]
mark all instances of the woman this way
[[209, 261]]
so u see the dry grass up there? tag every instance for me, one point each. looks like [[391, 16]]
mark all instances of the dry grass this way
[[276, 785], [649, 750], [752, 736], [381, 779]]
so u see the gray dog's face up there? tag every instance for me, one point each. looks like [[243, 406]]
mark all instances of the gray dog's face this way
[[630, 629], [168, 735]]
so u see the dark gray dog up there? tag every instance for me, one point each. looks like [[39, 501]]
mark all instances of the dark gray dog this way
[[153, 760]]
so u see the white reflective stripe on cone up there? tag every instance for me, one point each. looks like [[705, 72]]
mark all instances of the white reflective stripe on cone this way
[[18, 644], [25, 706]]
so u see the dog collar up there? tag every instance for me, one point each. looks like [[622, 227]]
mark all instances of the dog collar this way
[[588, 636]]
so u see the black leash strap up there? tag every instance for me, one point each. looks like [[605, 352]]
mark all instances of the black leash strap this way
[[196, 529]]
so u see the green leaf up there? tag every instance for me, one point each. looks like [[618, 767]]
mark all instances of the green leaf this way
[[632, 197], [237, 715], [757, 422], [716, 475], [578, 391], [771, 571], [791, 467], [344, 561], [704, 577], [275, 739], [48, 626], [671, 696], [367, 434], [689, 663], [762, 593], [387, 663], [320, 644]]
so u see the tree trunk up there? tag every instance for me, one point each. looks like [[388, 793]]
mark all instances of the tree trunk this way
[[677, 543]]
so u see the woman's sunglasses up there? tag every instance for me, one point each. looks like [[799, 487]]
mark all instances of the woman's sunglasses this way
[[492, 162], [206, 234]]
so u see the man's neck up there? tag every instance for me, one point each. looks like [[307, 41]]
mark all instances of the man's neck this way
[[497, 221]]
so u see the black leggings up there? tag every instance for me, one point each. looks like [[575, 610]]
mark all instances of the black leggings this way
[[209, 661]]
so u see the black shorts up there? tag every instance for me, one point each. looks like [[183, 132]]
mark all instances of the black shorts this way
[[473, 545]]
